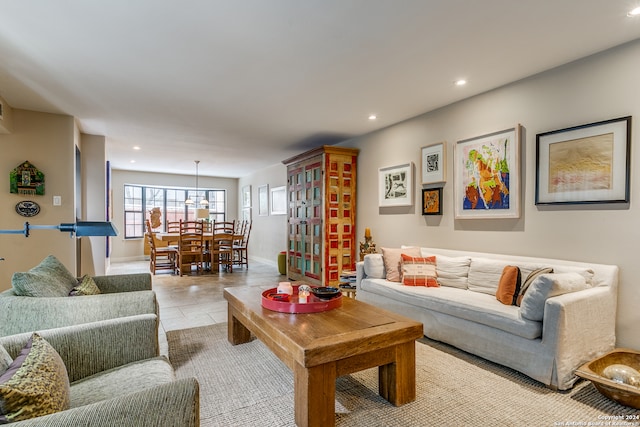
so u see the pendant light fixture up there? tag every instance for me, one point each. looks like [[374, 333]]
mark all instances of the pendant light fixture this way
[[204, 201]]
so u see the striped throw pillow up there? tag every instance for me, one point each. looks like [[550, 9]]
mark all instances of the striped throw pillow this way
[[419, 271]]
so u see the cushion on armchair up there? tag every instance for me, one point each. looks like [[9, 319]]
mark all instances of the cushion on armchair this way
[[35, 384], [50, 278], [86, 286]]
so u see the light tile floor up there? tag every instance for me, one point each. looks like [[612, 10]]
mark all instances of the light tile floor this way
[[197, 300]]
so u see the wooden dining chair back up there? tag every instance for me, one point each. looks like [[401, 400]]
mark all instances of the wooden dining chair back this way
[[228, 227], [240, 247], [173, 227], [190, 247], [160, 258]]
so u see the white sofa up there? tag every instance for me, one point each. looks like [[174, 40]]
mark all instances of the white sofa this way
[[464, 312]]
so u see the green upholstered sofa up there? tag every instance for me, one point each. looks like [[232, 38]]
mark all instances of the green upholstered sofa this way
[[121, 295], [117, 377]]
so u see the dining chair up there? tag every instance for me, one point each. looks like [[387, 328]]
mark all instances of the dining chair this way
[[190, 247], [221, 248], [240, 253], [173, 227], [160, 258]]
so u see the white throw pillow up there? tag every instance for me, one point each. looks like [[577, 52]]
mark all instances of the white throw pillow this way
[[546, 286], [485, 274], [453, 272], [374, 266]]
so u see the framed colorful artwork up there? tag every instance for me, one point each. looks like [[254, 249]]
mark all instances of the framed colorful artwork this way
[[395, 185], [584, 164], [432, 201], [487, 176], [433, 163]]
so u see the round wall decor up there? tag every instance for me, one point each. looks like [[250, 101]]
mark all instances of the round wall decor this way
[[27, 208]]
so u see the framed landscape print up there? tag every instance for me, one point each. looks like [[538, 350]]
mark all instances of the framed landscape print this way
[[487, 176], [432, 201], [432, 163], [395, 185], [584, 164]]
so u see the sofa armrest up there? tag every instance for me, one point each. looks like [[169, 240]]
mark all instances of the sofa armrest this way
[[581, 326], [359, 273], [26, 314], [94, 347], [123, 282], [175, 404]]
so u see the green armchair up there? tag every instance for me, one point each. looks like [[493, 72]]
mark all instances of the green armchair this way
[[116, 375], [121, 295]]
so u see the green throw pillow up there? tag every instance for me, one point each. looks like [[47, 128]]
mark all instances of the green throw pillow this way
[[86, 286], [50, 278], [35, 384]]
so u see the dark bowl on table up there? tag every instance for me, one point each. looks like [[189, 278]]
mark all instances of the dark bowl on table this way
[[325, 292]]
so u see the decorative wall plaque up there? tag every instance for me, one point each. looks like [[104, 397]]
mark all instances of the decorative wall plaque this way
[[27, 208], [26, 179]]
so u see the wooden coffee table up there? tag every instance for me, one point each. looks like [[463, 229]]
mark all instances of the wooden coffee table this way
[[320, 347]]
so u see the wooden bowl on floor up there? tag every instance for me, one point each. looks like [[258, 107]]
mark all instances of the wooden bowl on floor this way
[[624, 394]]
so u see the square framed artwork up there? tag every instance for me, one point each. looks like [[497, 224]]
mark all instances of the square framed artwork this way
[[432, 201], [487, 176], [395, 185], [433, 163], [263, 200], [584, 164], [278, 201], [246, 196]]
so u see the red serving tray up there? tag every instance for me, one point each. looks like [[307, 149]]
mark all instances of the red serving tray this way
[[313, 304]]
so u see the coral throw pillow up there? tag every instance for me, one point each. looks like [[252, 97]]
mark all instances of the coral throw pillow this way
[[418, 271], [509, 285]]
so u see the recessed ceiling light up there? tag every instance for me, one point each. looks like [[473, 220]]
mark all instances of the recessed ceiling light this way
[[135, 147], [634, 12], [373, 117], [460, 82], [132, 161]]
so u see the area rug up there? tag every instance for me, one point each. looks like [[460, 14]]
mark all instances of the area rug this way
[[247, 385]]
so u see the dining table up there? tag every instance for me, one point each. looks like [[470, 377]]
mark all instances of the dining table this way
[[208, 237]]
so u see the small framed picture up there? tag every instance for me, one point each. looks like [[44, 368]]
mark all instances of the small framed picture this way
[[395, 185], [263, 200], [432, 201], [246, 196], [278, 201], [433, 162]]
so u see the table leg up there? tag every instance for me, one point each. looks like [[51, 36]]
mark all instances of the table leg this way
[[397, 380], [315, 395], [237, 333]]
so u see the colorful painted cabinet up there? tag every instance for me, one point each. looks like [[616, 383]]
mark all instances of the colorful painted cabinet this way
[[321, 213]]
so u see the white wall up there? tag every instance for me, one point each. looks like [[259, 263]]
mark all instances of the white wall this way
[[268, 234], [601, 87], [94, 201], [131, 249]]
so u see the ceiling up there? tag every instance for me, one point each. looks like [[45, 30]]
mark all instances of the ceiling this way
[[243, 84]]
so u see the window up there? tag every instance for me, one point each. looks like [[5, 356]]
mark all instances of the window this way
[[139, 200]]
